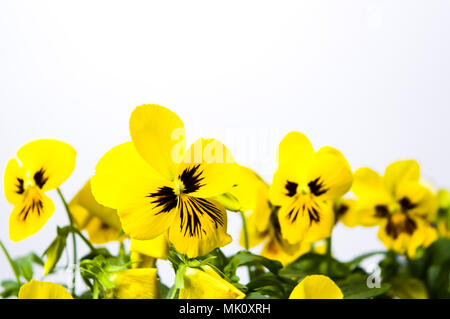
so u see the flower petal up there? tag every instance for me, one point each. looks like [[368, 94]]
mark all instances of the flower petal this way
[[140, 283], [13, 182], [207, 284], [30, 216], [49, 162], [316, 287], [401, 171], [208, 169], [156, 248], [200, 226], [159, 137], [43, 290]]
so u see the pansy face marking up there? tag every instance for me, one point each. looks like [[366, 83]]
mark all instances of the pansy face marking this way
[[305, 185]]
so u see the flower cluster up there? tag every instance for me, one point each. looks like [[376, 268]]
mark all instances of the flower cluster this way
[[160, 199]]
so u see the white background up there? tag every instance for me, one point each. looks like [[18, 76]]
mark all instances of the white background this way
[[371, 78]]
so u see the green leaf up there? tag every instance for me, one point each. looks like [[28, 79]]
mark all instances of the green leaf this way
[[312, 263], [230, 202], [245, 258], [25, 263], [10, 289], [355, 287]]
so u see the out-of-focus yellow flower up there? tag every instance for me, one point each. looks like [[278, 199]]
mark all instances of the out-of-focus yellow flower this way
[[101, 223], [140, 283], [145, 252], [305, 186], [399, 203], [44, 165], [43, 290], [443, 217], [252, 194], [157, 186], [205, 283], [316, 287]]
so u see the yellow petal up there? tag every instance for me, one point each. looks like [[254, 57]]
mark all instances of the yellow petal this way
[[13, 181], [159, 137], [48, 162], [142, 261], [420, 201], [117, 175], [366, 182], [156, 248], [206, 284], [139, 283], [30, 216], [85, 199], [347, 213], [332, 173], [316, 287], [208, 169], [305, 219], [200, 226], [295, 154], [100, 233], [401, 171], [43, 290], [273, 250]]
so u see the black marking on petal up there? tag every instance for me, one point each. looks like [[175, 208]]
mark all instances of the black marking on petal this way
[[406, 204], [394, 230], [20, 189], [39, 178], [191, 208], [381, 211], [35, 206], [291, 188], [340, 211], [276, 224], [165, 198], [313, 215], [191, 178], [316, 187]]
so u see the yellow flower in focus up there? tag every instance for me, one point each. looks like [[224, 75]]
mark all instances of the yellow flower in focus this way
[[140, 283], [205, 283], [43, 290], [44, 165], [316, 287], [399, 203], [305, 186], [158, 186], [101, 223]]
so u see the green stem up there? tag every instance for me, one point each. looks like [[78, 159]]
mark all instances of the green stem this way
[[13, 266], [328, 254], [83, 238], [173, 293], [74, 241], [95, 292], [244, 227]]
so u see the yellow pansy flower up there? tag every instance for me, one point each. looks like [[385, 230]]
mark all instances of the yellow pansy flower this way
[[101, 223], [158, 186], [205, 283], [252, 193], [44, 165], [399, 203], [43, 290], [316, 287], [140, 283], [443, 217], [305, 186]]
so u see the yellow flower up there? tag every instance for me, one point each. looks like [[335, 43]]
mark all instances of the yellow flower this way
[[316, 287], [205, 283], [305, 186], [101, 223], [140, 283], [43, 290], [157, 186], [399, 203], [44, 165], [252, 193], [443, 218]]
